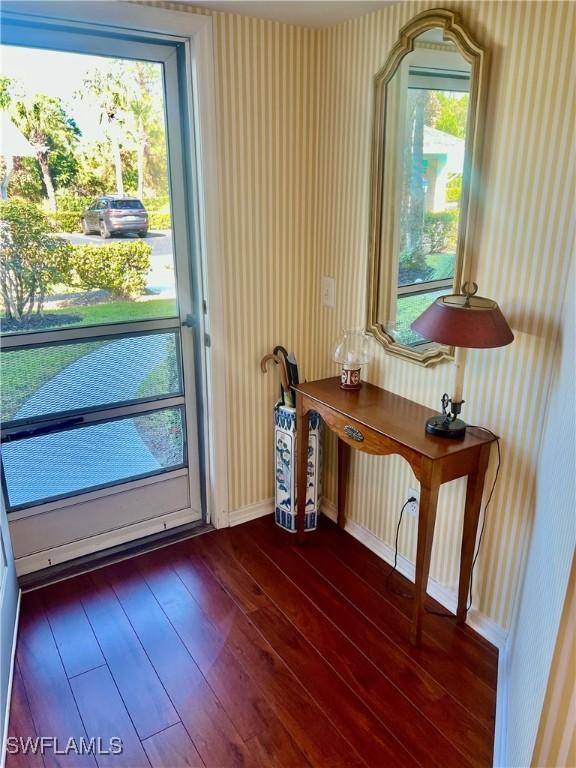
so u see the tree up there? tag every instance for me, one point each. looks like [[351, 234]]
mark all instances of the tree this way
[[96, 172], [142, 75], [7, 88], [108, 88], [33, 259], [417, 100], [26, 180], [54, 135], [453, 113]]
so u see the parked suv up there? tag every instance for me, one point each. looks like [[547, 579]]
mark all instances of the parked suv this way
[[111, 214]]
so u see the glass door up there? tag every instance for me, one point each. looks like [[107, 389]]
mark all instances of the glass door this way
[[98, 305]]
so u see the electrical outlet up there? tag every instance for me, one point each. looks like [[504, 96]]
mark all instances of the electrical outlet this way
[[412, 507], [328, 291]]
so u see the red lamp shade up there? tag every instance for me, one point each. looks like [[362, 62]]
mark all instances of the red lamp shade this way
[[464, 321]]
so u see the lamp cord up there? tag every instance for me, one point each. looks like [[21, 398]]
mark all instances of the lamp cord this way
[[488, 500], [393, 570], [484, 517]]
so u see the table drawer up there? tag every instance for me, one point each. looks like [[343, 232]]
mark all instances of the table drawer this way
[[354, 433]]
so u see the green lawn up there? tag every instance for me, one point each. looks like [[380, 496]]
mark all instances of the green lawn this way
[[164, 377], [120, 312], [411, 305], [24, 371], [408, 309], [442, 264]]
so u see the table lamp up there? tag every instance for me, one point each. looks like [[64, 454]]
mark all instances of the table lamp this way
[[464, 321], [352, 351]]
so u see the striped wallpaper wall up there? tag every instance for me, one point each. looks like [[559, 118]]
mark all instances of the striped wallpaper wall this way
[[522, 250], [545, 588], [267, 113], [293, 126], [556, 740]]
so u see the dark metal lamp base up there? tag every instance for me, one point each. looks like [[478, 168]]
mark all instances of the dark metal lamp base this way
[[440, 426]]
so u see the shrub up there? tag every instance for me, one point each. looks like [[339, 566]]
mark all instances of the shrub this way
[[65, 221], [68, 202], [454, 188], [120, 268], [440, 230], [33, 259], [160, 203], [69, 209], [157, 220]]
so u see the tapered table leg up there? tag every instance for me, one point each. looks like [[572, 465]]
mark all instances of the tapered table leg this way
[[343, 472], [302, 430], [474, 490], [426, 521]]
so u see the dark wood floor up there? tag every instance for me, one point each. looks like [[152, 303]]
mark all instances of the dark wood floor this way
[[237, 648]]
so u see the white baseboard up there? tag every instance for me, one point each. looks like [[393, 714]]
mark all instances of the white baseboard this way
[[91, 544], [10, 683], [485, 627], [251, 512]]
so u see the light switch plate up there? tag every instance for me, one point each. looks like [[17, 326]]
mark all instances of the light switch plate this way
[[328, 291]]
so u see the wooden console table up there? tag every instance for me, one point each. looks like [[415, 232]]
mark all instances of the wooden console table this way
[[379, 422]]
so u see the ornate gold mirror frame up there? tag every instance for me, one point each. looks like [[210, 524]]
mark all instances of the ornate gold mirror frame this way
[[476, 56]]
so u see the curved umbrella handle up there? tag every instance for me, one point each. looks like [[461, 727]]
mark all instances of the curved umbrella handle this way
[[280, 362]]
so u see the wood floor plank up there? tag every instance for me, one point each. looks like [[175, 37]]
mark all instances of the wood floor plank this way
[[172, 748], [360, 723], [76, 642], [21, 727], [467, 685], [146, 700], [239, 649], [47, 688], [361, 658], [246, 592], [106, 720], [480, 656], [415, 670], [320, 743], [240, 696], [202, 714]]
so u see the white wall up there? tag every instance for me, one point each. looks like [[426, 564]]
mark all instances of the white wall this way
[[533, 637]]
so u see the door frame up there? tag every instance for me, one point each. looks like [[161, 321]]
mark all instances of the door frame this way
[[194, 31]]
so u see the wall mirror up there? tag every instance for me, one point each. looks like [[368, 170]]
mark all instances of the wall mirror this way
[[428, 102]]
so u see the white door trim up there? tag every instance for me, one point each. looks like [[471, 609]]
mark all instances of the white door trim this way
[[196, 30]]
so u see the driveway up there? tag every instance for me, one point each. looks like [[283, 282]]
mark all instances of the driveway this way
[[160, 278]]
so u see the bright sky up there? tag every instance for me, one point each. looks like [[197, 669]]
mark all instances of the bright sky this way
[[56, 73]]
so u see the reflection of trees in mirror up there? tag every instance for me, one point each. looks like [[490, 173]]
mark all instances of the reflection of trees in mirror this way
[[429, 212], [428, 218]]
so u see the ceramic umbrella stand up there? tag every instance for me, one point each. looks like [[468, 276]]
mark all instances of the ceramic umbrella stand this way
[[285, 436]]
